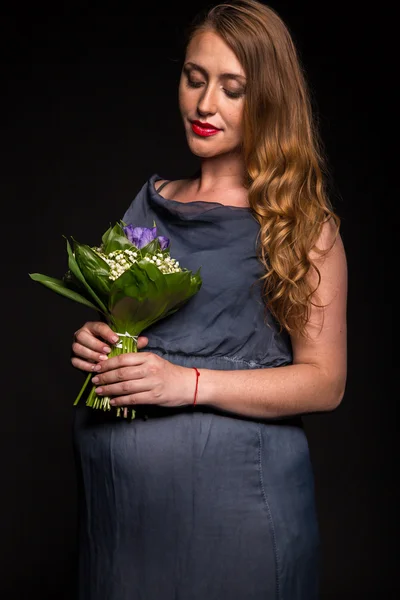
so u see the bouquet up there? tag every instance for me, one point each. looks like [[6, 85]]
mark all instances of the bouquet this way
[[131, 280]]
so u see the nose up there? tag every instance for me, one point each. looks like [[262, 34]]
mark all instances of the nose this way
[[207, 103]]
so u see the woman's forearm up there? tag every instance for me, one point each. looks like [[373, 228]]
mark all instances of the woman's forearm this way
[[271, 392]]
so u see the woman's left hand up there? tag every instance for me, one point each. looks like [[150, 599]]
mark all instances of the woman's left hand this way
[[144, 378]]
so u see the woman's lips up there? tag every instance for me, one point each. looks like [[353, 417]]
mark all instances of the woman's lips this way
[[203, 129]]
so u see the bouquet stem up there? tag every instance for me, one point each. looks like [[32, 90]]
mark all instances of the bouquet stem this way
[[127, 343]]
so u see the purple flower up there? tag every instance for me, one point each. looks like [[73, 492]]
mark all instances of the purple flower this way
[[141, 236], [164, 242]]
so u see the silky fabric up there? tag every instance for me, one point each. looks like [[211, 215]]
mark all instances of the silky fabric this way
[[197, 503]]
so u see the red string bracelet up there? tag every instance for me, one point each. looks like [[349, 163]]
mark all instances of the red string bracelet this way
[[197, 386]]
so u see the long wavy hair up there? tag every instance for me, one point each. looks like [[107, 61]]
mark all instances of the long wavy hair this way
[[286, 171]]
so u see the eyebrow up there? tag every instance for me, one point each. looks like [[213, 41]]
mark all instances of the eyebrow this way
[[202, 70]]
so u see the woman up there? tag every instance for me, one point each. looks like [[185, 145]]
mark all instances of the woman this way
[[212, 496]]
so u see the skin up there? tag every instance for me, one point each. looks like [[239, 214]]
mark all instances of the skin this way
[[316, 380]]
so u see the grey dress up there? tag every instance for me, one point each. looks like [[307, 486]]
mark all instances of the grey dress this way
[[197, 503]]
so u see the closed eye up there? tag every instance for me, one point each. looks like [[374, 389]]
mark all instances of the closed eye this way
[[195, 84], [229, 93], [233, 94]]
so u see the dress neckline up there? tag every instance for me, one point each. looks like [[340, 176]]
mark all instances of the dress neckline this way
[[202, 203]]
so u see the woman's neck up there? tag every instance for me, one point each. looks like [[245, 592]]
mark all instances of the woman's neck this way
[[221, 174]]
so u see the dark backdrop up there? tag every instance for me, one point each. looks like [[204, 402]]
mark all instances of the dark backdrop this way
[[89, 112]]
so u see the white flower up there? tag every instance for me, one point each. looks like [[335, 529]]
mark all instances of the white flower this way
[[120, 261]]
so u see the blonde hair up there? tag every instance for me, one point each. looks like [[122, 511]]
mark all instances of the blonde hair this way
[[285, 166]]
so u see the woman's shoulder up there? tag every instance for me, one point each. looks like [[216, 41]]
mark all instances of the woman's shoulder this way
[[169, 188]]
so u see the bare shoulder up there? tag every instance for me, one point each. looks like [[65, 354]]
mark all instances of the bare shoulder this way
[[172, 188], [170, 184], [329, 243], [329, 275], [159, 183]]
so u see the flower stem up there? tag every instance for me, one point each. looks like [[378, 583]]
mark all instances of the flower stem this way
[[125, 345], [83, 388]]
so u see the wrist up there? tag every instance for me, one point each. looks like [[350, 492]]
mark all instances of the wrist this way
[[190, 385], [207, 386], [187, 384], [196, 385]]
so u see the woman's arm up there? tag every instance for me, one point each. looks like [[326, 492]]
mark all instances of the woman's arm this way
[[316, 379]]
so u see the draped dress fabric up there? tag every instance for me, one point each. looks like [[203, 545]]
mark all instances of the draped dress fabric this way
[[196, 503]]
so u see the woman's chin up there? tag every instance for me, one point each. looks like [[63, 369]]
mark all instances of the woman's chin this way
[[210, 148], [202, 151]]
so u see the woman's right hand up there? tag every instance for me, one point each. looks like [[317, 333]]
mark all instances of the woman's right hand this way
[[91, 344]]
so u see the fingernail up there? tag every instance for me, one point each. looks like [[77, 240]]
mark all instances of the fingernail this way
[[115, 338], [98, 390], [96, 367], [103, 357], [106, 349], [95, 379]]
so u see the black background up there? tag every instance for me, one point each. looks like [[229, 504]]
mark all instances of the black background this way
[[89, 112]]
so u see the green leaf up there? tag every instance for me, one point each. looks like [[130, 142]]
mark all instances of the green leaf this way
[[74, 268], [105, 236], [73, 284], [94, 269], [138, 297], [61, 288], [181, 287], [143, 295], [115, 239], [152, 247]]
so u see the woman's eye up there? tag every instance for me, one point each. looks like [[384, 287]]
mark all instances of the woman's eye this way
[[233, 94], [197, 84], [194, 84]]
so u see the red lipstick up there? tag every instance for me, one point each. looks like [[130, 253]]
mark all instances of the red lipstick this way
[[204, 129]]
